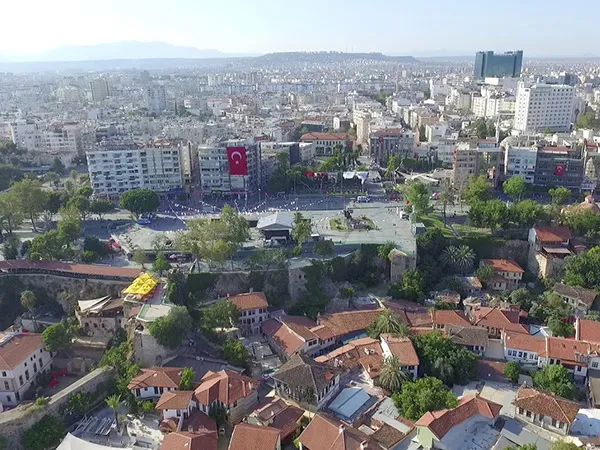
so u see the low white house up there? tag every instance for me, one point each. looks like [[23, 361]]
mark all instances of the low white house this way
[[153, 382]]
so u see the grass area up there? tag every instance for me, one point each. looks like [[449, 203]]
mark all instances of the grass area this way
[[337, 225], [432, 221]]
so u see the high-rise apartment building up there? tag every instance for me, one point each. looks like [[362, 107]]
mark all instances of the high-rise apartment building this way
[[27, 135], [544, 106], [119, 164], [156, 98], [488, 64], [99, 88], [64, 137]]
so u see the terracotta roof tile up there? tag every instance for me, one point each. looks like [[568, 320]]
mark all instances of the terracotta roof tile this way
[[587, 330], [315, 136], [13, 265], [225, 386], [250, 300], [440, 422], [326, 433], [450, 317], [500, 319], [268, 410], [183, 440], [388, 436], [587, 296], [547, 404], [467, 335], [526, 342], [322, 332], [301, 371], [553, 235], [16, 348], [174, 400], [403, 349], [503, 265], [349, 321], [199, 423], [366, 352], [254, 437], [286, 421], [567, 350], [165, 377]]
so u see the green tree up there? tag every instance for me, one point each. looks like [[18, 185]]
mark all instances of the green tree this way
[[30, 199], [219, 414], [392, 166], [100, 207], [512, 371], [412, 285], [391, 375], [56, 337], [235, 353], [29, 301], [443, 359], [301, 228], [140, 257], [11, 215], [140, 201], [563, 445], [44, 435], [10, 248], [208, 240], [171, 329], [53, 178], [3, 443], [115, 403], [222, 314], [522, 297], [446, 199], [583, 269], [81, 204], [556, 379], [161, 264], [384, 250], [187, 379], [485, 273], [422, 134], [387, 323], [460, 259], [324, 247], [560, 195], [560, 327], [515, 187], [237, 225], [48, 246], [423, 395], [493, 214], [266, 259], [57, 167], [480, 128], [527, 212], [9, 175], [479, 189], [417, 195]]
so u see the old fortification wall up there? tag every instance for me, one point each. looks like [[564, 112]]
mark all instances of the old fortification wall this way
[[14, 422]]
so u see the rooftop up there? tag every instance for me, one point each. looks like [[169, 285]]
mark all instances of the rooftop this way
[[547, 404], [254, 437], [250, 300], [16, 348]]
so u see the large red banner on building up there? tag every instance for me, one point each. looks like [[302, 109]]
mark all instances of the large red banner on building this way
[[238, 162]]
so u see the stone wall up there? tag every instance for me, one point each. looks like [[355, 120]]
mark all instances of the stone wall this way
[[15, 421], [148, 352]]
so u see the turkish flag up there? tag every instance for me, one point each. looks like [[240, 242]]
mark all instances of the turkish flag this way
[[238, 162], [560, 170]]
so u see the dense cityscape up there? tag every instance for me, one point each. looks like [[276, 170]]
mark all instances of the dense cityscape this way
[[311, 250]]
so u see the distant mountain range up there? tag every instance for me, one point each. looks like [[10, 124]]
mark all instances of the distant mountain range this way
[[120, 50]]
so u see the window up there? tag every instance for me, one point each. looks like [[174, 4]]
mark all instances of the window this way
[[21, 380], [3, 373], [6, 386], [594, 365]]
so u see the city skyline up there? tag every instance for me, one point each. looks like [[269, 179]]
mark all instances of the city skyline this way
[[266, 26]]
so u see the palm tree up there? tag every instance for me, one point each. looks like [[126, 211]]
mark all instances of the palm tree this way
[[447, 198], [388, 323], [391, 376], [460, 259], [114, 402], [28, 302]]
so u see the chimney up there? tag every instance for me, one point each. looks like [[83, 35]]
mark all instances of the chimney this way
[[251, 290], [341, 428], [364, 445]]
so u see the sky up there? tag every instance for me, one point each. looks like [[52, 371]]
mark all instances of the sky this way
[[403, 27]]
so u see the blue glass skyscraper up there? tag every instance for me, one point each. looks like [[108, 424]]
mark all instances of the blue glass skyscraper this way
[[508, 64]]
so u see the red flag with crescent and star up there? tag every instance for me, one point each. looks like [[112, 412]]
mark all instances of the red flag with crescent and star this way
[[560, 170], [238, 162]]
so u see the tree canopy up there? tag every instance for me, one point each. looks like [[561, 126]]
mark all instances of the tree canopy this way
[[391, 376], [423, 395], [515, 187], [512, 371], [460, 259], [583, 269], [45, 434], [443, 359], [222, 314], [478, 189], [187, 379], [556, 379], [301, 228], [387, 322], [30, 198], [235, 353], [170, 330], [56, 337], [140, 201], [417, 195]]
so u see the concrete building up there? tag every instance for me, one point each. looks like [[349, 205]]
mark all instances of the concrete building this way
[[22, 357], [464, 165], [64, 137], [391, 142], [508, 274], [520, 162], [325, 143], [119, 164], [253, 307], [27, 135], [559, 166], [488, 64], [215, 177], [156, 98], [99, 88], [153, 382], [544, 106]]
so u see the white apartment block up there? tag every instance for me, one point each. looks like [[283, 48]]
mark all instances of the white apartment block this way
[[63, 138], [22, 358], [479, 106], [120, 164], [214, 169], [156, 98], [520, 162], [27, 135], [544, 106]]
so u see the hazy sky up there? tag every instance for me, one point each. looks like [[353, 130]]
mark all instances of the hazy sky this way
[[539, 27]]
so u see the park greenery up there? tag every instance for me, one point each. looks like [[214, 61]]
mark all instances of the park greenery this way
[[235, 353], [139, 201], [512, 371], [556, 379], [187, 379], [387, 323], [170, 330], [423, 395], [44, 435]]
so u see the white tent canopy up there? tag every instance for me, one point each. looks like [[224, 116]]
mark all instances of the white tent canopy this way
[[71, 442], [94, 305]]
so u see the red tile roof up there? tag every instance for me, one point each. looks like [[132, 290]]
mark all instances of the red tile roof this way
[[165, 377], [500, 319], [567, 351], [322, 332], [183, 440], [366, 352], [440, 422], [503, 265], [286, 421], [522, 341], [14, 349], [553, 235], [250, 300], [283, 336], [349, 321], [199, 423], [388, 132], [254, 437], [450, 317], [226, 386], [326, 433], [547, 404], [16, 265], [174, 400], [403, 349], [587, 330]]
